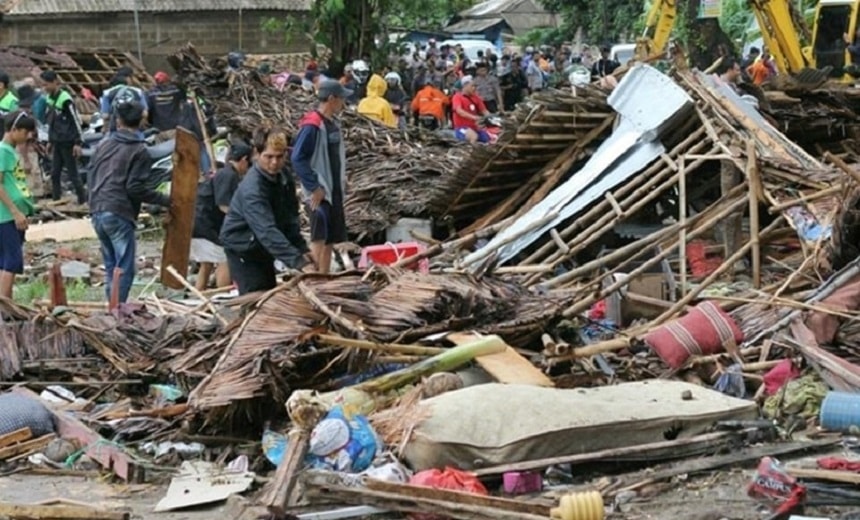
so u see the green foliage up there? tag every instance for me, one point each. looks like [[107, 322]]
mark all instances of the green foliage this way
[[604, 22], [542, 36]]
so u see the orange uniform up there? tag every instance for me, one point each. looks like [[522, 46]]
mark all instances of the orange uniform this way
[[430, 101]]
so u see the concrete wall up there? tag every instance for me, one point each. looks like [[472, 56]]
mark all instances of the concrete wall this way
[[212, 33]]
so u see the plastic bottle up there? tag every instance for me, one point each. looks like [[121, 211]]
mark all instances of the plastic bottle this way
[[579, 506]]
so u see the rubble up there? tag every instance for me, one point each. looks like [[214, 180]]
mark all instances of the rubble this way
[[587, 247]]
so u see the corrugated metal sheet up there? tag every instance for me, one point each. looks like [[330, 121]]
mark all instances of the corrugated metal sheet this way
[[37, 7], [648, 102], [473, 26]]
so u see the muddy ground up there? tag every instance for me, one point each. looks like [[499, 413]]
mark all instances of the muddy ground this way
[[715, 496]]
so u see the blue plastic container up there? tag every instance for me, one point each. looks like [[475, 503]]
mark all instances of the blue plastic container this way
[[840, 411]]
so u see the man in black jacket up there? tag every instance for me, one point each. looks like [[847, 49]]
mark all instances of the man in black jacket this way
[[121, 171], [263, 222], [166, 103], [64, 136], [213, 202]]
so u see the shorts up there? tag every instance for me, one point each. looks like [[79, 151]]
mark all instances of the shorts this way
[[328, 224], [483, 136], [11, 248], [206, 251]]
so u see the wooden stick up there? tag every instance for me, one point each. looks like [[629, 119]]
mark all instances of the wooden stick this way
[[193, 290], [279, 495], [207, 141], [839, 163], [784, 302], [336, 318], [16, 436], [682, 235], [754, 197], [833, 190], [392, 348]]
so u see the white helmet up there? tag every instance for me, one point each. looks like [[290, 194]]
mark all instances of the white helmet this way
[[393, 76], [579, 76], [360, 70]]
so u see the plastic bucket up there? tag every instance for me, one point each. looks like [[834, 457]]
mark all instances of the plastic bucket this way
[[840, 411]]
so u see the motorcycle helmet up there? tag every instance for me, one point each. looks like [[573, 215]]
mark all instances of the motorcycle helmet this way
[[235, 59], [361, 71], [579, 76], [392, 78]]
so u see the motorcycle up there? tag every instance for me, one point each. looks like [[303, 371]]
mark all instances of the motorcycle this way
[[492, 124]]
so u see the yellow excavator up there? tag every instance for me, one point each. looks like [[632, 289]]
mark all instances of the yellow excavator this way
[[827, 56]]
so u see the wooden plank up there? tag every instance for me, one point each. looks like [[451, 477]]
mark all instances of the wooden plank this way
[[845, 477], [505, 367], [417, 499], [17, 436], [61, 231], [57, 512], [26, 446], [183, 198]]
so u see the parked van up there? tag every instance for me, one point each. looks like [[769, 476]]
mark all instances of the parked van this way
[[623, 52]]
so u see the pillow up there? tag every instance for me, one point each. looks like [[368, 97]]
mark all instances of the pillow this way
[[705, 330]]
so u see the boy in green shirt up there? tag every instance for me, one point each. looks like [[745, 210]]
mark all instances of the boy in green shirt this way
[[15, 201]]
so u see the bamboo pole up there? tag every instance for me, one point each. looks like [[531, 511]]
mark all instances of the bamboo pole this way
[[207, 302], [725, 266], [650, 177], [839, 163], [682, 235], [589, 300], [754, 187]]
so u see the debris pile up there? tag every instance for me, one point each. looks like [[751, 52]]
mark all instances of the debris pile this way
[[655, 274]]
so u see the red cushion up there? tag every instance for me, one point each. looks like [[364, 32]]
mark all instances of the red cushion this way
[[705, 330]]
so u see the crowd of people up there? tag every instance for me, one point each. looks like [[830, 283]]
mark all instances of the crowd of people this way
[[247, 214], [442, 87]]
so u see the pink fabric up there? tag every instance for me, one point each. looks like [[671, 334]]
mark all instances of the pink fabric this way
[[825, 326], [779, 375]]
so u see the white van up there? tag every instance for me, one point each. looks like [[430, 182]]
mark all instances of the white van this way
[[623, 52]]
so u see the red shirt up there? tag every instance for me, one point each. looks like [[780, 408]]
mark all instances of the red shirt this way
[[471, 104]]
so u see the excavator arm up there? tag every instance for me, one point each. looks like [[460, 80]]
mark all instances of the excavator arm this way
[[658, 28], [779, 34]]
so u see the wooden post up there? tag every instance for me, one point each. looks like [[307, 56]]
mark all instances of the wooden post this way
[[113, 303], [754, 190], [183, 199], [58, 288], [682, 235]]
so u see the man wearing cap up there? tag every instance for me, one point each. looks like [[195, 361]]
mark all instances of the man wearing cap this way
[[350, 83], [213, 203], [319, 159], [467, 109], [64, 136], [165, 101], [263, 225], [119, 184]]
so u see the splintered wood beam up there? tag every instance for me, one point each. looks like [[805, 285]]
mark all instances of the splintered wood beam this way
[[183, 199]]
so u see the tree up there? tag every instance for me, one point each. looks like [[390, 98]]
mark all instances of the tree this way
[[604, 21], [352, 28]]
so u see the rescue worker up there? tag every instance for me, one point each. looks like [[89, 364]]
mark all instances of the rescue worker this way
[[428, 107], [64, 136], [375, 106], [166, 102], [213, 202], [319, 159], [263, 224], [350, 83]]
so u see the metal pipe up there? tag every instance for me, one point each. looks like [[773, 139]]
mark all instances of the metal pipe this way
[[241, 22], [137, 31]]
